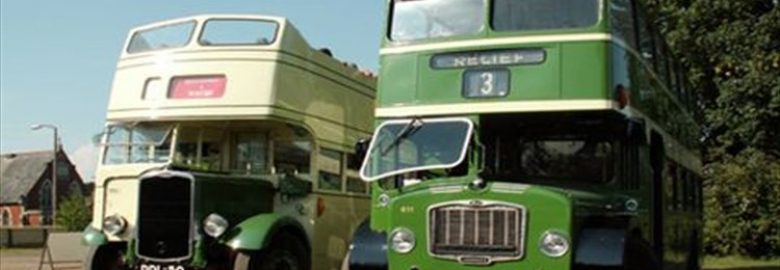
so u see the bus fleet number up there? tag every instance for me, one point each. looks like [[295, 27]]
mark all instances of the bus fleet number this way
[[485, 83]]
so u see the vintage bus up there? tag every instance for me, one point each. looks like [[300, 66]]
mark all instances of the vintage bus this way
[[534, 134], [228, 145]]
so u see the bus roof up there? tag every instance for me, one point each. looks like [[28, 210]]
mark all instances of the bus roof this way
[[280, 77]]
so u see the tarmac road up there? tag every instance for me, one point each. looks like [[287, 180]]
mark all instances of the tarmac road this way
[[27, 259]]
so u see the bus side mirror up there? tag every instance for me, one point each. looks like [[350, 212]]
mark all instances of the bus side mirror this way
[[361, 149]]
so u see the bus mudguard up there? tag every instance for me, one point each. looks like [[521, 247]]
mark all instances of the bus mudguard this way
[[600, 247], [368, 250], [93, 237], [254, 233]]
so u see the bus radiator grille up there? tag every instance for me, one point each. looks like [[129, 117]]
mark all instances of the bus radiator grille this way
[[465, 229], [164, 218]]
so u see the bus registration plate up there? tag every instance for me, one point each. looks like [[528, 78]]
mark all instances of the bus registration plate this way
[[152, 266], [483, 83]]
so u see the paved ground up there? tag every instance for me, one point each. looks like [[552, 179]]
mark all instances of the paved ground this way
[[25, 259]]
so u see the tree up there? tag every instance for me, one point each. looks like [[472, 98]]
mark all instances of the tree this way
[[731, 50], [74, 214]]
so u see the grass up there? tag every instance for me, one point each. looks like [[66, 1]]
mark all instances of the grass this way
[[730, 262]]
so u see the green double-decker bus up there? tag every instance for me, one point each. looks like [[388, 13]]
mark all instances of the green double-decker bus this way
[[533, 134]]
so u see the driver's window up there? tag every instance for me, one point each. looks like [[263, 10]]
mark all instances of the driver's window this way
[[402, 156], [292, 152], [250, 152], [200, 148]]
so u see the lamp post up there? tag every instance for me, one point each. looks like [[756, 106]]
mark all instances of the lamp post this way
[[53, 168]]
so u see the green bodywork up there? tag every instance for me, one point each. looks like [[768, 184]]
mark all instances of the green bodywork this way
[[548, 209], [246, 202], [93, 237], [235, 198], [582, 74], [255, 232]]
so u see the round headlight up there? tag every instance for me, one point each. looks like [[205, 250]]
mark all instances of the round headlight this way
[[114, 224], [402, 240], [554, 244], [215, 225]]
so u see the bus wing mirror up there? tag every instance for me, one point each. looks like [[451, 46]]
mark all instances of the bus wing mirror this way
[[361, 149]]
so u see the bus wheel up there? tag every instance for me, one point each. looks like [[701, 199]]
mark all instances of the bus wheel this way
[[639, 255], [105, 257], [285, 253]]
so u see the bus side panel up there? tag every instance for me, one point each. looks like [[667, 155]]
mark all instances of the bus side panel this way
[[584, 70]]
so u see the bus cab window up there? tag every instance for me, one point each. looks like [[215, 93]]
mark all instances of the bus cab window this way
[[250, 153], [292, 155], [199, 148], [140, 143]]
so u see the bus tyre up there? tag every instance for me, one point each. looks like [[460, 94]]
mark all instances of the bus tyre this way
[[285, 252], [639, 255], [105, 257]]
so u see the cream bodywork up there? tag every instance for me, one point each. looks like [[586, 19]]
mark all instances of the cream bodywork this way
[[286, 81]]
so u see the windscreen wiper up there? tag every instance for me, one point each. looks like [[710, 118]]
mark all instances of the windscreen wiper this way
[[409, 129]]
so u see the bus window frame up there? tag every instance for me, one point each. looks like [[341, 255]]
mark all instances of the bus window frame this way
[[599, 20], [322, 170], [203, 25], [389, 26], [195, 29], [464, 151]]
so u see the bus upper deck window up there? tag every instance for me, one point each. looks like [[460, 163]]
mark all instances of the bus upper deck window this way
[[510, 15], [421, 19], [163, 37], [238, 32]]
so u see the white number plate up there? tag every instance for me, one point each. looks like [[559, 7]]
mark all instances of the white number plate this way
[[151, 266]]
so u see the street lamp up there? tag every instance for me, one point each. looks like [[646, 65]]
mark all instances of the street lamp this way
[[53, 168]]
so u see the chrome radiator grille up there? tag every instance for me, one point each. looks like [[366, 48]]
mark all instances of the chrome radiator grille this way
[[477, 229]]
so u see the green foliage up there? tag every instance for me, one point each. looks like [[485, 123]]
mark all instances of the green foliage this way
[[743, 206], [731, 50], [74, 214]]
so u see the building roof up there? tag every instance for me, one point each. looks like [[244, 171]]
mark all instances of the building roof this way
[[19, 172]]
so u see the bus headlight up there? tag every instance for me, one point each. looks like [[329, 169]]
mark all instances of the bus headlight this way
[[215, 225], [114, 224], [554, 244], [402, 240]]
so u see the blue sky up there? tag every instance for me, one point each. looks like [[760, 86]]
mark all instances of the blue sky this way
[[57, 58]]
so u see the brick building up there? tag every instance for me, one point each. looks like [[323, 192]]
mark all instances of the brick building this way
[[25, 187]]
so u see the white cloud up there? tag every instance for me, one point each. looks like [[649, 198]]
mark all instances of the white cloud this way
[[85, 158]]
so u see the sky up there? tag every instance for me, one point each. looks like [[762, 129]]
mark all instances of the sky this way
[[57, 58]]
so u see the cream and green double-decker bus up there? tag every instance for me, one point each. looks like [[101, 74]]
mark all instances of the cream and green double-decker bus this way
[[228, 145], [530, 134]]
